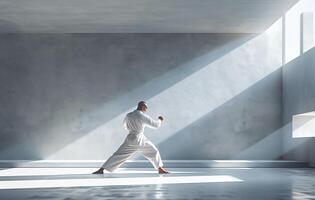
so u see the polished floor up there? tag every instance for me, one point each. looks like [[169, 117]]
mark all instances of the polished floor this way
[[182, 183]]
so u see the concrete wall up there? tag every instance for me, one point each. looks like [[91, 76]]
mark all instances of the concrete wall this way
[[298, 97], [63, 96], [298, 78]]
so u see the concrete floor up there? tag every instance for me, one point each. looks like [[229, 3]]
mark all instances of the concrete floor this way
[[183, 183]]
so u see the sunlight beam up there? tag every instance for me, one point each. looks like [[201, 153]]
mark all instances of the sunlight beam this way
[[204, 90]]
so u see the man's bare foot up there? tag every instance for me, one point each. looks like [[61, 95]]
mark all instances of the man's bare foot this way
[[162, 171], [99, 171]]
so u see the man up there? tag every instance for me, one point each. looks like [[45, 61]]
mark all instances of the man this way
[[135, 122]]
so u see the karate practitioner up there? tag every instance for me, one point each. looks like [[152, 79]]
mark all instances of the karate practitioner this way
[[136, 141]]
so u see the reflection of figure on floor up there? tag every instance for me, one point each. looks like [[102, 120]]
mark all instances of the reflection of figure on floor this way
[[135, 122]]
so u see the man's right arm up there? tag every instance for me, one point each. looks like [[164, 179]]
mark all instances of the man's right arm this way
[[151, 122]]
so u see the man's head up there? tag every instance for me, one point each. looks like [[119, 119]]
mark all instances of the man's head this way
[[142, 106]]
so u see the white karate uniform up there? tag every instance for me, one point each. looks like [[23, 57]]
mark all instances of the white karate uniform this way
[[135, 122]]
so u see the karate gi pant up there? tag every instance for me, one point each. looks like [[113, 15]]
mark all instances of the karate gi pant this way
[[132, 144]]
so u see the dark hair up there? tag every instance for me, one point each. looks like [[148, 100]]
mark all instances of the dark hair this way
[[142, 103]]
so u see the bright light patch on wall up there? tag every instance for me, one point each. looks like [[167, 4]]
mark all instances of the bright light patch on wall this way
[[292, 28], [303, 125], [307, 31], [30, 184]]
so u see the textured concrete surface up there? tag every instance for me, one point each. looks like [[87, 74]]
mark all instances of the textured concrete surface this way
[[298, 97], [58, 87], [63, 96], [140, 16], [192, 183]]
